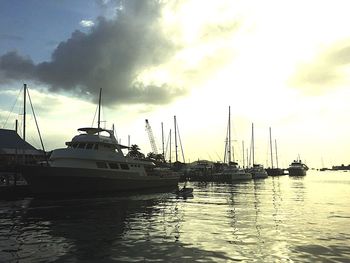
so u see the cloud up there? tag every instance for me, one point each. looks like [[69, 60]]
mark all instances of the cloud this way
[[87, 23], [138, 56], [327, 70], [110, 56], [14, 66]]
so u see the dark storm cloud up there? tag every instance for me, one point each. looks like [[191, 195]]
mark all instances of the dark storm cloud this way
[[325, 70], [110, 57], [14, 66]]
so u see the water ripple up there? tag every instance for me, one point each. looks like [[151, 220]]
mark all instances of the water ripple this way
[[278, 219]]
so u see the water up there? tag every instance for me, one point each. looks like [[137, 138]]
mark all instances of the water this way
[[281, 219]]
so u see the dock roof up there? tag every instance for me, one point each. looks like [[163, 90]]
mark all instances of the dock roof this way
[[10, 141]]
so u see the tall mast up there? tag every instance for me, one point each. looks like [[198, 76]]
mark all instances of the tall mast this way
[[24, 110], [248, 157], [178, 135], [163, 142], [276, 153], [253, 143], [99, 110], [170, 146], [176, 157], [229, 135], [243, 153], [271, 148]]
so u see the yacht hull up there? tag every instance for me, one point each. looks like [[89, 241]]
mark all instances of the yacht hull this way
[[239, 176], [274, 171], [66, 180], [296, 172], [258, 173]]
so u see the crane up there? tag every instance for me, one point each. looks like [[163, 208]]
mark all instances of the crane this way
[[151, 137]]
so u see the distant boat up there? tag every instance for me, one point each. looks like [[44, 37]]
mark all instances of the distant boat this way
[[234, 172], [231, 171], [274, 171], [257, 170], [297, 168], [93, 162]]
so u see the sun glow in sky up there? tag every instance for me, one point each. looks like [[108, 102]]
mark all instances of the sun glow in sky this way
[[283, 65]]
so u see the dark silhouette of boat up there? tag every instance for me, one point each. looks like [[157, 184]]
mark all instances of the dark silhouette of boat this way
[[297, 168]]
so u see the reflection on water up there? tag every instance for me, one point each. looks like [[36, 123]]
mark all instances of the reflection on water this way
[[272, 220]]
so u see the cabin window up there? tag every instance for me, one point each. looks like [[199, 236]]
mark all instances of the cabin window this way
[[124, 166], [101, 165], [113, 165], [81, 145], [89, 146]]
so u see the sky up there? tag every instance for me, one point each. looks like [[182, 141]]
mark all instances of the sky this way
[[278, 64]]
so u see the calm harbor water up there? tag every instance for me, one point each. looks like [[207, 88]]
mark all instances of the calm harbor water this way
[[279, 219]]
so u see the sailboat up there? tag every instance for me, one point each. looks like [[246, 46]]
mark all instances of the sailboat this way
[[93, 162], [273, 171], [231, 170], [257, 170]]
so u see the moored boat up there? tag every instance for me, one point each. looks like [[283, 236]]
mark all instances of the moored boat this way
[[231, 171], [258, 171], [93, 162], [297, 168], [274, 171]]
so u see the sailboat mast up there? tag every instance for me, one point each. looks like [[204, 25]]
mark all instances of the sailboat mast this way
[[276, 153], [170, 146], [176, 157], [24, 110], [163, 142], [229, 135], [243, 154], [271, 148], [99, 110], [253, 143]]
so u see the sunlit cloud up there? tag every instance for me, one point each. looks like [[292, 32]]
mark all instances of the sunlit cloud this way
[[327, 70], [87, 23]]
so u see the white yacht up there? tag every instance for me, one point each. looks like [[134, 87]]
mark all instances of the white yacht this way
[[297, 168], [93, 162]]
